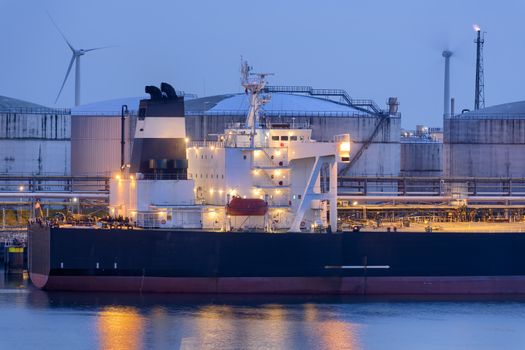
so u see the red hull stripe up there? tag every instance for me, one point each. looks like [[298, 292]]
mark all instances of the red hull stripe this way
[[289, 285]]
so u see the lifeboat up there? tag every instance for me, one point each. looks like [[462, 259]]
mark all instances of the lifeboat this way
[[246, 207]]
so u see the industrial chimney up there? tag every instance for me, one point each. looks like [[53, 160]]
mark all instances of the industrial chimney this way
[[479, 97], [446, 98]]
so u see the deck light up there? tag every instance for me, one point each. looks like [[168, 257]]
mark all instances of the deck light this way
[[344, 147]]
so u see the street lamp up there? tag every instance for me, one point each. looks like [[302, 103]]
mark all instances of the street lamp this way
[[75, 200]]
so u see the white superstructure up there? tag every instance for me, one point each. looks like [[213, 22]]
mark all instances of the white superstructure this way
[[278, 164]]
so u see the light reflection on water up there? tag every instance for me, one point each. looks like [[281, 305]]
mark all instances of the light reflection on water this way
[[35, 319], [120, 328]]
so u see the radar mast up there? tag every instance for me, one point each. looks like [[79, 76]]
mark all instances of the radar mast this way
[[254, 84]]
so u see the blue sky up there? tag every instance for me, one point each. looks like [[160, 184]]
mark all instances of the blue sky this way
[[372, 49]]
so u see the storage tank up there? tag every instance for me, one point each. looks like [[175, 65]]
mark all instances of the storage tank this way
[[210, 115], [34, 140], [421, 158], [488, 143], [96, 136]]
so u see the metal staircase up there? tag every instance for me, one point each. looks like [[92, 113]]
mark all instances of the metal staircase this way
[[363, 105], [367, 106]]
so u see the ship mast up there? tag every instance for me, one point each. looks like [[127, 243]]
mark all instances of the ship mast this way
[[254, 84]]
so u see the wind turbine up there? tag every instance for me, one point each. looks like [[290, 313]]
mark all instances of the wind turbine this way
[[75, 58]]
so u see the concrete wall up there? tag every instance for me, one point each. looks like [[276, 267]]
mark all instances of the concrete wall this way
[[421, 158], [484, 147], [35, 143]]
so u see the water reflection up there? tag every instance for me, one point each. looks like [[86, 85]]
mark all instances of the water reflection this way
[[120, 327], [338, 335], [129, 321], [331, 333], [214, 328]]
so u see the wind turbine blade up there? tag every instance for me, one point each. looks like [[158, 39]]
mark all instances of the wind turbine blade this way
[[67, 74], [99, 48], [63, 36]]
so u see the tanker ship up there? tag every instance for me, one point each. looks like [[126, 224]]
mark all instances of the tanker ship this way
[[254, 211]]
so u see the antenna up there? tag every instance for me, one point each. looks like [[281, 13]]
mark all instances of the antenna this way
[[479, 97]]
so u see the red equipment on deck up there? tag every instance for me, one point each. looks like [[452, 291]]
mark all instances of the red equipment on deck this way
[[246, 207]]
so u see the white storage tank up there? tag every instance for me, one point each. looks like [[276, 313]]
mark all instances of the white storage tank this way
[[96, 136], [34, 140], [487, 143], [209, 115]]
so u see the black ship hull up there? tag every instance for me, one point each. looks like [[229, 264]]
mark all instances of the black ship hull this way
[[294, 263]]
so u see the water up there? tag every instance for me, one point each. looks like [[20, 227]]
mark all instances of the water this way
[[32, 319]]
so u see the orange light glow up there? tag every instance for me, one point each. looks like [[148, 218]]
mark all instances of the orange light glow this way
[[344, 147], [120, 328], [338, 335]]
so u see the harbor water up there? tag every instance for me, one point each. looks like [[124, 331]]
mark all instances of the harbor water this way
[[33, 319]]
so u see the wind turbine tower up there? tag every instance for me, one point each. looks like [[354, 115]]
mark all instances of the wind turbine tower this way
[[75, 58]]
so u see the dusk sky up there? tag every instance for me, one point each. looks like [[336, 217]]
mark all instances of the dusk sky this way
[[372, 49]]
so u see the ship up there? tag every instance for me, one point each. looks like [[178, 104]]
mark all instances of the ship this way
[[253, 211]]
